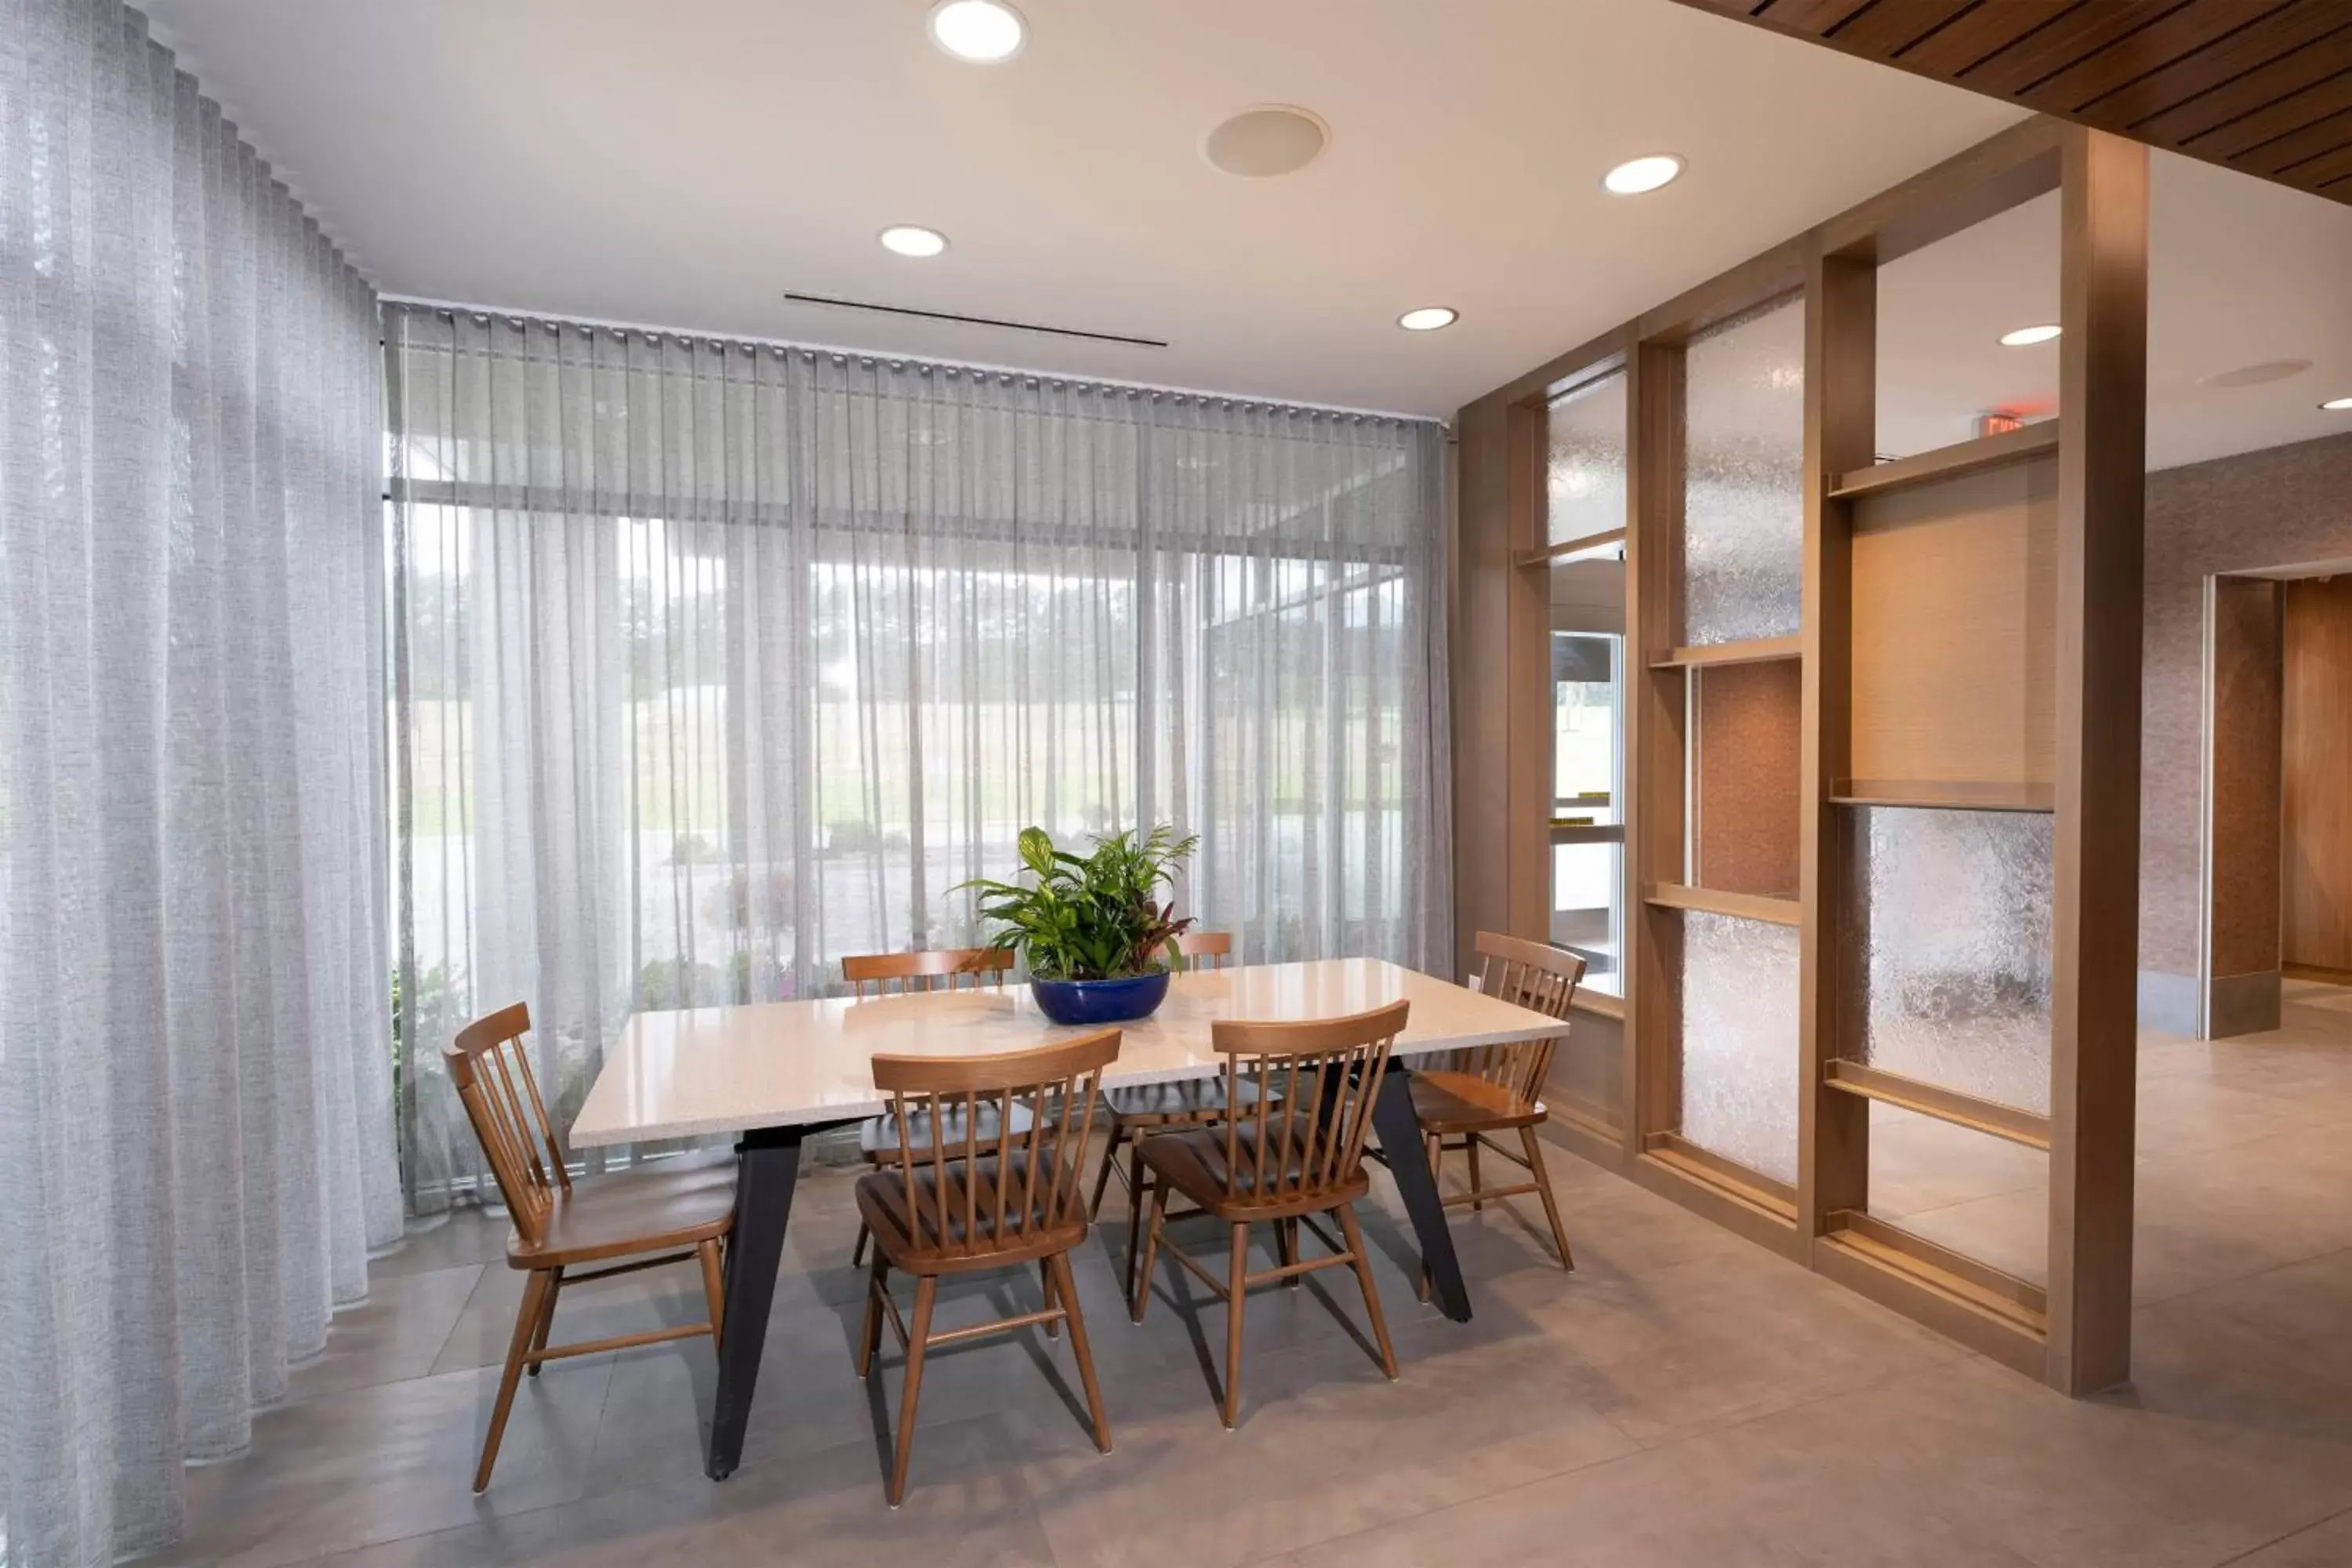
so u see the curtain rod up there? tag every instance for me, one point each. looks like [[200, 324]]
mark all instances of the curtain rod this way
[[984, 368]]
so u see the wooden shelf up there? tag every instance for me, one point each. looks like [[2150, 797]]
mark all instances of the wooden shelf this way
[[2017, 446], [1944, 794], [1567, 548], [1752, 1188], [1987, 1116], [1755, 650], [1708, 901], [1998, 1291]]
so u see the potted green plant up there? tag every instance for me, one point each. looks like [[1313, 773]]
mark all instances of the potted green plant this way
[[1093, 929]]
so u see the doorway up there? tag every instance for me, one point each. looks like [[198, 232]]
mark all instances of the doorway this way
[[2316, 780]]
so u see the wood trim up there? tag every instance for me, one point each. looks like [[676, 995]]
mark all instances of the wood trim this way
[[2021, 445], [1696, 1190], [1708, 901], [1750, 1187], [1753, 650], [1605, 1149], [1599, 1003], [1987, 1116], [1950, 794], [2102, 488], [2003, 1292], [1902, 1283], [1841, 429], [2004, 171], [1777, 271], [2320, 973]]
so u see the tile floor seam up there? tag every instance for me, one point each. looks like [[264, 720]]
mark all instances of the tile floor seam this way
[[2304, 1529]]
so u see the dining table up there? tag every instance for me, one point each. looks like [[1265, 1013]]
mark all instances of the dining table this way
[[775, 1073]]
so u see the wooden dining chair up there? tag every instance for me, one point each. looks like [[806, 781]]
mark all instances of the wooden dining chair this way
[[1489, 1089], [978, 1204], [679, 1214], [1138, 1110], [1293, 1151], [873, 974]]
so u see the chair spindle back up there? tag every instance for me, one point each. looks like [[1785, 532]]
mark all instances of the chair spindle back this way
[[939, 969], [1310, 1091], [492, 1073], [1204, 949], [974, 1194], [1530, 975]]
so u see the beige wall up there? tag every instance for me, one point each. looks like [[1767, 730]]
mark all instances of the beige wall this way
[[2282, 506]]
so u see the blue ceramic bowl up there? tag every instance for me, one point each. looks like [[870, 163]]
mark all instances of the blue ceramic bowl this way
[[1101, 1001]]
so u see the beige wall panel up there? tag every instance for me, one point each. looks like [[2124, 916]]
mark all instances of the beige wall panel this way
[[1954, 629]]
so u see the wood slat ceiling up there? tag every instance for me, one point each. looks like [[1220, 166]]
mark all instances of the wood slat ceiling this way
[[2260, 86]]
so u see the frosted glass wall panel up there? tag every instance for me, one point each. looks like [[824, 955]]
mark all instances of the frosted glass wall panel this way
[[1743, 482], [1951, 947], [1739, 1041], [1585, 473]]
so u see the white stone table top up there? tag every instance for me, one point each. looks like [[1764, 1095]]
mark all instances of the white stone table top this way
[[784, 1064]]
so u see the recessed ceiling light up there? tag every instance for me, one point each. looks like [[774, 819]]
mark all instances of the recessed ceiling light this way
[[1639, 175], [2338, 406], [1428, 318], [981, 31], [2026, 337], [911, 239]]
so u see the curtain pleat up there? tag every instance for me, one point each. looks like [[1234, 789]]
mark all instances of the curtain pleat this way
[[195, 1060], [718, 662]]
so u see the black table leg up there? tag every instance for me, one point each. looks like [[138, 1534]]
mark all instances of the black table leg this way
[[1399, 1133], [768, 1163]]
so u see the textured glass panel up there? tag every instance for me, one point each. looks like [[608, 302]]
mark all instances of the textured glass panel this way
[[1586, 471], [1951, 947], [1739, 1041], [1743, 487]]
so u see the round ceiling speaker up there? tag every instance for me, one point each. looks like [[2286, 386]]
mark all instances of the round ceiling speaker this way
[[2270, 370], [1271, 139]]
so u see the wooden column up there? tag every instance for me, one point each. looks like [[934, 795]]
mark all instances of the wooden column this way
[[2101, 486], [1840, 425], [1478, 666], [1655, 722], [1528, 831]]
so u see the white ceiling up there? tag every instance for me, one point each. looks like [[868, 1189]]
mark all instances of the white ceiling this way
[[2241, 271], [683, 163]]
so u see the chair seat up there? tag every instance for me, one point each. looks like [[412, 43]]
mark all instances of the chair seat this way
[[878, 1136], [1185, 1100], [673, 1204], [882, 1204], [1464, 1102], [1193, 1164]]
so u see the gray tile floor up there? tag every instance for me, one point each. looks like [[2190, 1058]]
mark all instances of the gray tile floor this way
[[1682, 1398]]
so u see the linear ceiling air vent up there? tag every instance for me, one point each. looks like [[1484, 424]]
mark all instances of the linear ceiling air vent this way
[[973, 320]]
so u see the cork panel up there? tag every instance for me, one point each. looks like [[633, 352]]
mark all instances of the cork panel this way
[[1745, 821]]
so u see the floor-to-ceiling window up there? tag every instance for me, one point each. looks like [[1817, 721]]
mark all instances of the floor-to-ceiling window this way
[[716, 662]]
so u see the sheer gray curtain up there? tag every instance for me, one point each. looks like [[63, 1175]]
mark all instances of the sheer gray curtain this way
[[195, 1137], [716, 662]]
